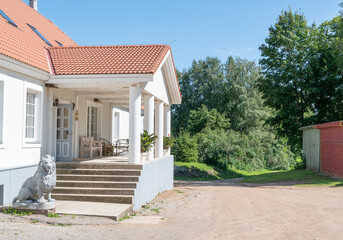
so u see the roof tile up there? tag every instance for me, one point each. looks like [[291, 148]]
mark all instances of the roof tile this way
[[129, 59], [22, 43]]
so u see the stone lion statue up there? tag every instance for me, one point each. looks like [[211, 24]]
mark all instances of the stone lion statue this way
[[43, 181]]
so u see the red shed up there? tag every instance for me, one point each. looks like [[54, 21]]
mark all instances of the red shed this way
[[331, 148], [323, 147]]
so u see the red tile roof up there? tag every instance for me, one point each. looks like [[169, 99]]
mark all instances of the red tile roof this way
[[107, 59], [22, 43]]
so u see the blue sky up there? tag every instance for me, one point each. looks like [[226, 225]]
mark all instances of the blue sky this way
[[194, 28]]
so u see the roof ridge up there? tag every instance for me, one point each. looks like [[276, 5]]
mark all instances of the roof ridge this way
[[111, 46]]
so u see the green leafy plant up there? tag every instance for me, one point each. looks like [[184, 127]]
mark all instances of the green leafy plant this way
[[16, 212], [53, 215], [147, 141], [168, 142]]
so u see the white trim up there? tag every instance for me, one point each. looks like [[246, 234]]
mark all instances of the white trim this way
[[23, 68], [3, 93], [99, 78], [36, 141]]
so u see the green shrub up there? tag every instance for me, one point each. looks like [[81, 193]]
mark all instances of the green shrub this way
[[253, 151], [213, 147], [259, 150], [186, 148]]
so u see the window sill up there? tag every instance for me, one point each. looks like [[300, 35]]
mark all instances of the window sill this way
[[32, 145]]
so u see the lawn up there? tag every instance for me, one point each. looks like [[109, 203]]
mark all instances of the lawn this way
[[201, 171]]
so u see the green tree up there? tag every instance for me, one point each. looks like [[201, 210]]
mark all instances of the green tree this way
[[201, 84], [243, 100], [202, 118], [286, 75], [302, 74]]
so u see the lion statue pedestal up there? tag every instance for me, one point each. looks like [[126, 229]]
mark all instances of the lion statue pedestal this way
[[31, 194]]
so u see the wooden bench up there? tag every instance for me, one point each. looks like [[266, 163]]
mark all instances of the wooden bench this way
[[90, 146]]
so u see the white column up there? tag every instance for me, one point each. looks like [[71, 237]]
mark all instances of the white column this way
[[134, 125], [149, 119], [159, 128], [167, 120], [48, 143]]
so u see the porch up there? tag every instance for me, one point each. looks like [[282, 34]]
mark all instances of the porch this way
[[115, 104], [112, 92]]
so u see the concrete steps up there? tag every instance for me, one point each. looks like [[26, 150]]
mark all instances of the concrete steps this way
[[95, 184], [106, 183], [93, 198], [97, 191], [98, 177], [80, 165], [131, 172]]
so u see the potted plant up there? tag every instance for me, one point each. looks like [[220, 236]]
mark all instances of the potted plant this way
[[168, 142], [147, 143]]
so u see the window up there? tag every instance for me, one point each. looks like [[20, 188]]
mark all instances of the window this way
[[92, 122], [30, 116], [7, 18], [1, 111], [61, 45], [40, 35]]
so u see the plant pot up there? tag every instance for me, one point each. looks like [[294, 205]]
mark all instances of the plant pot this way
[[143, 156], [165, 152]]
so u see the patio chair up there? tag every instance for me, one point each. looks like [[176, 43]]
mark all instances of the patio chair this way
[[121, 146], [90, 146], [107, 147]]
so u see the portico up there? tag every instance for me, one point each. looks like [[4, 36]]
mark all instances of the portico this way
[[146, 96]]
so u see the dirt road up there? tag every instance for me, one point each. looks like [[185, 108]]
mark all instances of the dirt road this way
[[205, 210]]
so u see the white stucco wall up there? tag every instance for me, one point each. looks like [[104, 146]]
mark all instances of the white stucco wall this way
[[15, 152], [156, 176]]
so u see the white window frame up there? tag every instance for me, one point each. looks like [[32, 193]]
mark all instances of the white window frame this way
[[38, 91], [2, 114], [99, 117]]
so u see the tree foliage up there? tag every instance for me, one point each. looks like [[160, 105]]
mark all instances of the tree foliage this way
[[230, 88], [224, 112], [301, 74]]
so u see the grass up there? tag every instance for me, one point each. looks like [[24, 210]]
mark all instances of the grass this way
[[125, 217], [305, 177], [53, 215], [201, 171], [17, 212]]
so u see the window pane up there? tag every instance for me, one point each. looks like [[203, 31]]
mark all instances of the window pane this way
[[30, 109], [58, 123], [65, 134], [66, 112], [30, 132], [30, 121], [66, 123], [30, 98], [59, 111], [58, 134]]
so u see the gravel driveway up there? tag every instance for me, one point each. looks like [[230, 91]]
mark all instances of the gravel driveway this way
[[204, 210]]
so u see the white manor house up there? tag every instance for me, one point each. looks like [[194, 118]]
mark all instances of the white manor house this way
[[56, 97]]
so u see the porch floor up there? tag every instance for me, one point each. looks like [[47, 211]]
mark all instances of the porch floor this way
[[103, 160]]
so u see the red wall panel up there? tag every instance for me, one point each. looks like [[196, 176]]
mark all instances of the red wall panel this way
[[331, 148]]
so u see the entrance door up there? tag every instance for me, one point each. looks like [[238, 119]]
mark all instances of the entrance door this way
[[64, 132]]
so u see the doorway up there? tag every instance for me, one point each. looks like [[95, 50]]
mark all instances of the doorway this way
[[64, 134]]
